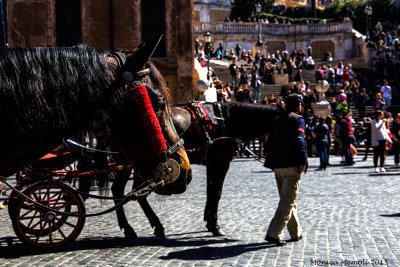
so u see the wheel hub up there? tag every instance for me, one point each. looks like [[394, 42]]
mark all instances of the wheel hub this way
[[50, 216]]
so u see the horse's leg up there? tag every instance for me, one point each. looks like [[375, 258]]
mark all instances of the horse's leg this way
[[121, 179], [152, 217], [218, 160]]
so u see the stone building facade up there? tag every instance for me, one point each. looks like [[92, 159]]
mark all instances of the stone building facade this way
[[111, 25], [211, 10], [337, 38]]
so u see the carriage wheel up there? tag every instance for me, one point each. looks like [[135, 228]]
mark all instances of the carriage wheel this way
[[42, 229]]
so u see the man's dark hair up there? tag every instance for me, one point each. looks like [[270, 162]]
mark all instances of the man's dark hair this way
[[378, 112], [292, 102]]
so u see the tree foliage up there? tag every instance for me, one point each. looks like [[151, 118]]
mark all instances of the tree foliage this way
[[247, 8], [383, 10]]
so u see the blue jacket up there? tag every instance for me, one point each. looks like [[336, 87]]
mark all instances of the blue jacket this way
[[322, 134], [286, 146]]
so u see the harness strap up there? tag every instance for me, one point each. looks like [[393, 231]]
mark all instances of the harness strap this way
[[175, 147], [143, 73], [89, 148]]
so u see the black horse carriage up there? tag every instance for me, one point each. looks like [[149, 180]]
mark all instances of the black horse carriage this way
[[49, 94]]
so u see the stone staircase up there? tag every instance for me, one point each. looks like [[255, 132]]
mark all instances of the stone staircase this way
[[268, 89], [221, 69]]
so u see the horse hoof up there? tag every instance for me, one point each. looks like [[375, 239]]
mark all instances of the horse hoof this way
[[130, 234], [159, 232]]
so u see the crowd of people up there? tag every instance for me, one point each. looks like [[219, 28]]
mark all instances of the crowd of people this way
[[385, 38], [248, 72]]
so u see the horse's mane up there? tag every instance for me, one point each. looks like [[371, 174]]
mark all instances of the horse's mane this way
[[158, 82], [241, 110], [59, 84], [248, 119]]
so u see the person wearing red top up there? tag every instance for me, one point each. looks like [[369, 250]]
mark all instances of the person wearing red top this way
[[346, 76]]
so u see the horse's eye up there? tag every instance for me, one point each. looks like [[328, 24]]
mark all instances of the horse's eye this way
[[127, 76]]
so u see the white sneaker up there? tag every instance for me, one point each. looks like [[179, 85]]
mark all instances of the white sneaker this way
[[383, 169], [377, 170]]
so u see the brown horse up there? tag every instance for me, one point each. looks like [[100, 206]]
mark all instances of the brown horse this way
[[47, 94], [241, 121]]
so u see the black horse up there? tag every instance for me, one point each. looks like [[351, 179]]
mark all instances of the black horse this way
[[241, 121], [47, 94]]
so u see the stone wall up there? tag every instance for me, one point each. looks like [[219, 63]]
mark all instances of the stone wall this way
[[33, 23], [211, 11], [30, 23]]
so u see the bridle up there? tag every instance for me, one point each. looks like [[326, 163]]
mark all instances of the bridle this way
[[167, 169]]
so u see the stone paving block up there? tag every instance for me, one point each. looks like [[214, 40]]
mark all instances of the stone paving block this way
[[340, 211]]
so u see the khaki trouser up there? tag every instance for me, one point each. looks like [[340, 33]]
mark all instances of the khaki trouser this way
[[288, 182]]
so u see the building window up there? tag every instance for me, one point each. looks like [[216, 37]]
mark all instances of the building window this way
[[68, 22], [153, 23]]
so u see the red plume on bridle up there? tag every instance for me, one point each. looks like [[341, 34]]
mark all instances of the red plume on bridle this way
[[141, 97], [149, 118]]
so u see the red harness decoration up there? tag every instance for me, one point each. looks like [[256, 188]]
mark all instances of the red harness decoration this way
[[149, 118], [200, 113]]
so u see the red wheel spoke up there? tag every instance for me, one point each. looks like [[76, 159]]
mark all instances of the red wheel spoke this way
[[28, 212], [69, 224], [29, 229], [28, 206], [65, 204], [50, 234], [60, 231], [31, 221], [35, 196], [29, 217], [41, 231], [59, 197]]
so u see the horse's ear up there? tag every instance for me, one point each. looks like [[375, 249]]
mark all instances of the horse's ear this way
[[139, 46], [142, 54]]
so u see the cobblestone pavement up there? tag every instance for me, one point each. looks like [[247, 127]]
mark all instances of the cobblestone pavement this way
[[350, 217]]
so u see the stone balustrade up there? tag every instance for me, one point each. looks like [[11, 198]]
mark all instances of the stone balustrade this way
[[273, 29]]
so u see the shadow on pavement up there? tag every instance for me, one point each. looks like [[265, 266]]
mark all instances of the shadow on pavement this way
[[390, 215], [11, 247], [346, 173], [386, 174], [214, 253]]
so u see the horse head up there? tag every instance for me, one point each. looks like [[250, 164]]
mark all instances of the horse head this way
[[157, 145]]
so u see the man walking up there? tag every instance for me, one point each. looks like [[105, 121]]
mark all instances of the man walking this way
[[233, 69], [287, 157]]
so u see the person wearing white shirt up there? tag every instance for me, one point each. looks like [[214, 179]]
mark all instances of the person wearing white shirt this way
[[379, 136]]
